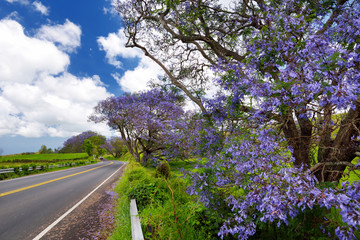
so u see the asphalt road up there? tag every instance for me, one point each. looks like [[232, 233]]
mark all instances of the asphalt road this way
[[28, 205]]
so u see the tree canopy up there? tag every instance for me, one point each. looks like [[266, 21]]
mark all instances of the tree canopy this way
[[144, 120], [75, 144]]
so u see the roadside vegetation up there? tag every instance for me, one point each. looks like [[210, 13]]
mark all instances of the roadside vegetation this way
[[24, 164], [166, 211]]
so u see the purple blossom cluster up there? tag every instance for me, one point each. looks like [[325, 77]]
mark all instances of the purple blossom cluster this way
[[313, 70], [150, 122], [267, 187]]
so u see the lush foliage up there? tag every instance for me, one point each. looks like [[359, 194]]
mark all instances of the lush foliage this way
[[75, 144], [165, 210], [268, 143], [93, 145]]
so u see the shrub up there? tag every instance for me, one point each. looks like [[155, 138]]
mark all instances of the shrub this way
[[25, 169], [33, 167], [163, 170], [17, 170]]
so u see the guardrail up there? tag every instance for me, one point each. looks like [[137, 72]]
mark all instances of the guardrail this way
[[11, 170], [136, 231]]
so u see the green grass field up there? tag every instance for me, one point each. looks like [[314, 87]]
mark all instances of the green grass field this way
[[52, 157], [44, 161], [9, 161]]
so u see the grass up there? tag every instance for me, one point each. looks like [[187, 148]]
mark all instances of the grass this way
[[123, 223], [159, 200], [43, 157], [25, 161]]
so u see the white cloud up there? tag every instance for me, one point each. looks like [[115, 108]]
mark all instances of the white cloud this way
[[40, 8], [68, 35], [24, 2], [59, 101], [132, 80], [38, 97], [114, 46], [138, 79], [227, 3], [23, 58]]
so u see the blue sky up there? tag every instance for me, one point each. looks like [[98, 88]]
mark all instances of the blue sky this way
[[57, 60]]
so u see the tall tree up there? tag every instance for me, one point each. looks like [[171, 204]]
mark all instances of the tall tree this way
[[294, 64], [289, 73]]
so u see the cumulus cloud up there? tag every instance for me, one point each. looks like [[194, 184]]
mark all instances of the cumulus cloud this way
[[67, 35], [132, 80], [114, 46], [23, 58], [38, 97], [138, 79], [25, 2], [40, 8]]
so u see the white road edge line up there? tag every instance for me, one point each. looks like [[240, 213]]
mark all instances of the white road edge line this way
[[46, 230]]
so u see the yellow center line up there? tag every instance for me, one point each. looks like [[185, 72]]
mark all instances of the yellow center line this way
[[50, 181]]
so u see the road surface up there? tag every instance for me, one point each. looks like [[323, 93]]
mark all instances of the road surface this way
[[28, 205]]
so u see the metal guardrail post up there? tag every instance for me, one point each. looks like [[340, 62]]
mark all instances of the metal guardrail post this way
[[136, 231]]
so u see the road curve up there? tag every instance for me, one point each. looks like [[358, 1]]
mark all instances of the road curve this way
[[28, 205]]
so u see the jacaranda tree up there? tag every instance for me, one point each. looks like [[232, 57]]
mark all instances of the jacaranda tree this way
[[115, 146], [75, 144], [289, 75], [145, 120]]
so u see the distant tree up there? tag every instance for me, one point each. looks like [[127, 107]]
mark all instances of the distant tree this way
[[43, 150], [75, 144], [94, 144], [115, 146]]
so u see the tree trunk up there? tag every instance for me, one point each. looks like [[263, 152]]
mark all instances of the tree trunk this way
[[341, 149], [299, 140], [130, 144]]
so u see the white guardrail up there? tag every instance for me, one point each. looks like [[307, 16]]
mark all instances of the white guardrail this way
[[11, 170], [136, 231]]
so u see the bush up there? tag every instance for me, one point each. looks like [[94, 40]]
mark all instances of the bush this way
[[17, 170], [25, 169], [33, 167], [163, 170]]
